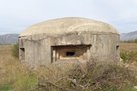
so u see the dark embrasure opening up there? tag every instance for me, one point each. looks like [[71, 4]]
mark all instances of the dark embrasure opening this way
[[70, 54]]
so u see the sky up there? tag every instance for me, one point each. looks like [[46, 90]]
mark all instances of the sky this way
[[17, 15]]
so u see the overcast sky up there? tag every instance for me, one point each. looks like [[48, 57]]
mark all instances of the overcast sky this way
[[16, 15]]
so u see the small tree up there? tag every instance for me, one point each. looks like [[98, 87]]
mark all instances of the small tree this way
[[136, 40], [15, 50]]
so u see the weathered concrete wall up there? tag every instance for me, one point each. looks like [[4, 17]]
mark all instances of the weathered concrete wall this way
[[103, 46]]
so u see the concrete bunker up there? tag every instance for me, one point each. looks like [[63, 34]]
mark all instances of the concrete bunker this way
[[69, 39], [70, 52]]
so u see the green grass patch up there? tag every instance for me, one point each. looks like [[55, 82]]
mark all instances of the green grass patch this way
[[6, 87], [26, 82], [129, 57]]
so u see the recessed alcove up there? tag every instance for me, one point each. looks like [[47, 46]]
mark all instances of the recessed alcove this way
[[69, 52]]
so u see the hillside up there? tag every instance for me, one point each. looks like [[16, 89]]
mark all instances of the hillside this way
[[129, 36], [8, 38]]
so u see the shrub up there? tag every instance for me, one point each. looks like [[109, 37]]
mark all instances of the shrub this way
[[130, 41], [15, 50], [135, 40], [102, 78], [92, 77], [128, 56]]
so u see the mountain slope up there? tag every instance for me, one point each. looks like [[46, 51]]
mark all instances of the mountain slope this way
[[128, 36], [8, 38]]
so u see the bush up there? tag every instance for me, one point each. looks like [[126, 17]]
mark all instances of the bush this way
[[102, 78], [128, 56], [135, 40], [15, 50], [130, 41], [92, 77]]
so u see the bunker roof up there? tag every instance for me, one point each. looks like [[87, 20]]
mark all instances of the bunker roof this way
[[67, 25]]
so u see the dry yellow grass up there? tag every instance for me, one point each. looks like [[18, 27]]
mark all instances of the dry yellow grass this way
[[128, 52], [13, 75], [6, 58], [128, 47]]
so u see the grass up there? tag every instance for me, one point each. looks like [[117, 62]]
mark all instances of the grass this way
[[128, 47], [5, 87], [15, 76], [129, 52]]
